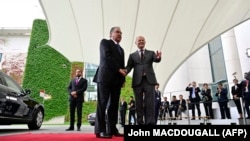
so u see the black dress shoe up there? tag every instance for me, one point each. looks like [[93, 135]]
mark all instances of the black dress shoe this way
[[103, 135], [78, 129], [69, 129], [117, 134]]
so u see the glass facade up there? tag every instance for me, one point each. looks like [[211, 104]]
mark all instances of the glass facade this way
[[218, 67], [90, 70]]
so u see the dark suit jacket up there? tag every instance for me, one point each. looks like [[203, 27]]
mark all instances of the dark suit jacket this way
[[157, 97], [222, 96], [206, 95], [197, 90], [182, 104], [111, 60], [142, 66], [236, 91], [124, 106], [80, 88], [245, 95]]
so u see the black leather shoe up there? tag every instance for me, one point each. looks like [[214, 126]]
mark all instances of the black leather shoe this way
[[103, 135], [69, 129], [78, 129], [118, 134]]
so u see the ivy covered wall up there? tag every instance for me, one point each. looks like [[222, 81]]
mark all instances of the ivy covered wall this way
[[46, 69]]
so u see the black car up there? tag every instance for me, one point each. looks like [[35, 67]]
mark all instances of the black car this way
[[16, 106], [91, 118]]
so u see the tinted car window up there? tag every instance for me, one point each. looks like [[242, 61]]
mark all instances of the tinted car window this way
[[13, 85]]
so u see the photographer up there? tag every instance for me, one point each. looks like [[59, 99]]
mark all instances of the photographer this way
[[223, 100], [207, 101]]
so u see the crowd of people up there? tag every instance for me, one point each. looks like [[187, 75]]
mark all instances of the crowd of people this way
[[174, 109]]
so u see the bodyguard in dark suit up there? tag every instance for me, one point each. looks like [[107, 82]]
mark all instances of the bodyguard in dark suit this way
[[237, 94], [76, 89], [144, 81], [194, 98], [157, 102], [123, 111], [207, 101], [223, 101], [109, 77]]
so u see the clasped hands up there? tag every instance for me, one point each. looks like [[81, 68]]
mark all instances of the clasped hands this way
[[123, 72], [73, 93]]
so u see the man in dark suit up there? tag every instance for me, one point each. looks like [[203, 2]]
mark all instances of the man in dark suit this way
[[157, 102], [237, 94], [182, 106], [76, 89], [110, 77], [123, 111], [223, 101], [194, 98], [207, 100], [131, 114], [144, 81], [164, 108]]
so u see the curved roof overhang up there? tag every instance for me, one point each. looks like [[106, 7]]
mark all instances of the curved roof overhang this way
[[176, 27]]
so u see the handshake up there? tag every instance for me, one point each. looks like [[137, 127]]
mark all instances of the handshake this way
[[123, 72]]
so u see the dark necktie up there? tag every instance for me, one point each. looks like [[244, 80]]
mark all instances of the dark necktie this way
[[142, 54], [119, 48]]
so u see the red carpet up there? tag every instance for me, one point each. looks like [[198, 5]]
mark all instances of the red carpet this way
[[55, 137]]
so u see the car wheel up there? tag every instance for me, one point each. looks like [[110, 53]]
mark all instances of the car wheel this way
[[37, 120], [92, 123]]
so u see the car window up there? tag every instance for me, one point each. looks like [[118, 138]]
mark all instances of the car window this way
[[13, 85]]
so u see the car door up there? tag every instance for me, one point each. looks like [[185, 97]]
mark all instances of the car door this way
[[16, 98], [4, 105]]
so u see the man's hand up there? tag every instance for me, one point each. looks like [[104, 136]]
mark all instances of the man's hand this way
[[123, 72], [158, 54], [74, 94]]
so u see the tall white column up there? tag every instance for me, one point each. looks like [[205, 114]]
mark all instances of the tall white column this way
[[231, 56]]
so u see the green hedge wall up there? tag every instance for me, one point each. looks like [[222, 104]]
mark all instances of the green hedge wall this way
[[46, 69]]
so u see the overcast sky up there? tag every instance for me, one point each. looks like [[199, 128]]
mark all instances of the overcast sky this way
[[19, 13]]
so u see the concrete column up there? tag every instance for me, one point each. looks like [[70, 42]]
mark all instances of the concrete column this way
[[231, 56]]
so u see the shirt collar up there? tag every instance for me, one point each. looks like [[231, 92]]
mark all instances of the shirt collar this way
[[141, 49], [115, 42]]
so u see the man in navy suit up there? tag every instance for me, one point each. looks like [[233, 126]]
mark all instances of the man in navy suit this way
[[194, 98], [110, 77], [144, 81], [76, 89]]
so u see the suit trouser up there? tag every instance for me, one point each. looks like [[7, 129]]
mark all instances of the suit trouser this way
[[247, 104], [123, 117], [130, 116], [224, 110], [107, 99], [145, 103], [74, 104], [238, 105], [195, 103], [208, 109]]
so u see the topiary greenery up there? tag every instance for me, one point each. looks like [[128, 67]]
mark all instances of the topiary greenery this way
[[46, 69]]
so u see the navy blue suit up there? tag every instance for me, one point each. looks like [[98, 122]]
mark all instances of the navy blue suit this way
[[223, 100]]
